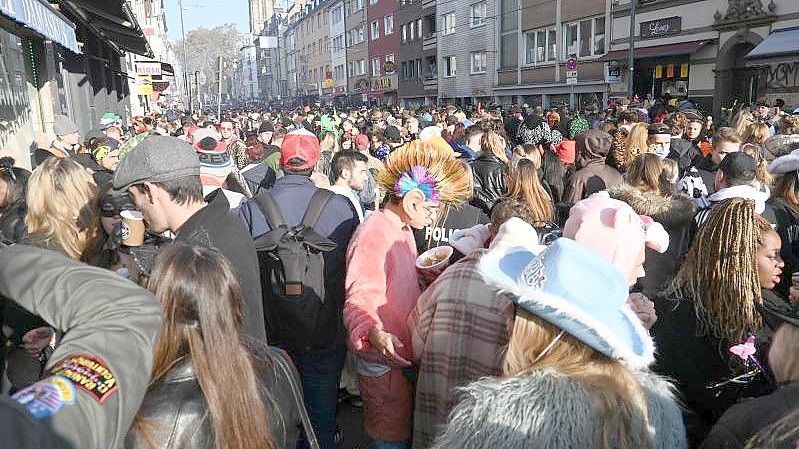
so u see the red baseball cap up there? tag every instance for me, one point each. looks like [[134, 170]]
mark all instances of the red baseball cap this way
[[361, 139], [302, 145]]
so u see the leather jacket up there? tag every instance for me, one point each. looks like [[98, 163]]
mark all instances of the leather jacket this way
[[176, 415], [489, 181]]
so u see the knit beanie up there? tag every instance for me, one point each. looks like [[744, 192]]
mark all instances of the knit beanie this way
[[215, 163], [577, 126], [612, 229]]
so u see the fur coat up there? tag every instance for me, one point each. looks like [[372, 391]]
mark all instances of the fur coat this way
[[544, 409], [676, 214]]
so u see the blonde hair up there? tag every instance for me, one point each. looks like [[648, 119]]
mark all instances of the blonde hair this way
[[742, 120], [628, 145], [783, 356], [757, 132], [619, 399], [786, 188], [329, 142], [493, 143], [761, 174], [719, 275], [62, 208]]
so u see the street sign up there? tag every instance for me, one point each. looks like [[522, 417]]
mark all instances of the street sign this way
[[570, 81], [571, 74], [571, 64]]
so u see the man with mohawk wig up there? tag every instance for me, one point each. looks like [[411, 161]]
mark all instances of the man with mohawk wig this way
[[382, 284]]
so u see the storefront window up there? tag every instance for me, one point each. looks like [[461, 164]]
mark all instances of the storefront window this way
[[15, 109]]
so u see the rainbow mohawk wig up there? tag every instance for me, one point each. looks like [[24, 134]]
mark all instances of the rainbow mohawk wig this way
[[427, 167]]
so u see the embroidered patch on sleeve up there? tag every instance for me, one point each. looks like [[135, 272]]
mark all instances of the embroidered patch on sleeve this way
[[88, 373], [45, 397]]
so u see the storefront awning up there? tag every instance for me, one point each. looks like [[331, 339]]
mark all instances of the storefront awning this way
[[780, 46], [39, 16], [115, 21], [656, 51]]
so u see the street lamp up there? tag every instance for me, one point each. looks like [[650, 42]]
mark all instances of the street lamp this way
[[185, 57]]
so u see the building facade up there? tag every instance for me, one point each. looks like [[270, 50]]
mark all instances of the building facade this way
[[411, 55], [383, 49], [338, 51], [313, 55], [698, 49], [535, 41], [356, 37], [261, 11]]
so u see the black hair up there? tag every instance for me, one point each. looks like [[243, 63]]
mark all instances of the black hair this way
[[17, 180], [184, 190], [289, 170], [345, 160], [552, 174]]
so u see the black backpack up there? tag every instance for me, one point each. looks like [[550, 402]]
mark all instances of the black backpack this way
[[293, 272]]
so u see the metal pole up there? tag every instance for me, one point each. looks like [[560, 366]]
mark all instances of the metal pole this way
[[631, 52], [219, 94], [197, 89], [185, 57]]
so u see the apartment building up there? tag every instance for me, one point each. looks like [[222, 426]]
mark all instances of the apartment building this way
[[338, 50], [411, 53], [260, 12], [701, 50], [355, 36], [312, 56], [465, 50], [383, 49]]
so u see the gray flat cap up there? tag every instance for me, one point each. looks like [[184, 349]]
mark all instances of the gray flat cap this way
[[157, 159], [63, 126]]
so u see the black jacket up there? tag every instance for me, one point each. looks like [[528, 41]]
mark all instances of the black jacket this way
[[683, 151], [743, 420], [700, 178], [787, 226], [216, 226], [176, 412], [489, 181], [463, 217], [696, 361], [12, 221]]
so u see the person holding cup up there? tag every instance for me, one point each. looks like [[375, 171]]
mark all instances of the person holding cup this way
[[382, 283]]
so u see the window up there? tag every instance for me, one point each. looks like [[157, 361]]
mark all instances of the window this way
[[388, 24], [538, 49], [337, 13], [361, 67], [404, 70], [376, 67], [419, 28], [478, 59], [432, 67], [411, 30], [584, 38], [508, 39], [450, 66], [372, 2], [351, 68], [448, 23], [477, 15], [431, 24], [375, 29], [389, 57], [338, 43], [404, 33], [358, 5]]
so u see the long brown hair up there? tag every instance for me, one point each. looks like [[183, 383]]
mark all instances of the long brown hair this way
[[645, 173], [618, 396], [719, 275], [523, 184], [201, 300], [786, 187]]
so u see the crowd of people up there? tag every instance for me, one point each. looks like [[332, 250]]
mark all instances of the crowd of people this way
[[472, 278]]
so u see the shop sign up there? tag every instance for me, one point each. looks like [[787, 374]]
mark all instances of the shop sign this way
[[613, 73], [144, 85], [658, 72], [329, 83], [43, 19], [684, 70], [389, 67], [148, 68], [670, 71], [362, 85], [341, 90], [385, 83], [661, 27]]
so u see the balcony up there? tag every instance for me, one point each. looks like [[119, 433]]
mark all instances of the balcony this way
[[428, 4], [430, 83], [429, 42]]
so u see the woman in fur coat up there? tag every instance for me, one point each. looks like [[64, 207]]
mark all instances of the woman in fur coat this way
[[648, 191], [575, 365]]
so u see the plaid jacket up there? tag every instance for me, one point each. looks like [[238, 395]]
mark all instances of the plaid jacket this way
[[460, 329]]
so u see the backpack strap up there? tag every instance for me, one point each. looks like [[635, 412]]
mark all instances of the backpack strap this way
[[270, 210], [317, 204]]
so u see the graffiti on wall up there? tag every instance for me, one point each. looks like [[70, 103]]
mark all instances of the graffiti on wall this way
[[782, 76]]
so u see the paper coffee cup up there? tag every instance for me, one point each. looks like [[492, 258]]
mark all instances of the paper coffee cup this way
[[436, 258], [132, 228]]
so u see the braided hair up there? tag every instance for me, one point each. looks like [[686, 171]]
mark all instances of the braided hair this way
[[719, 274]]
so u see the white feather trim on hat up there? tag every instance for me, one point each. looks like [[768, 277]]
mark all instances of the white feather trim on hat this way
[[785, 164]]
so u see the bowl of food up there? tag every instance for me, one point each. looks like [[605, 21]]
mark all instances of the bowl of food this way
[[434, 258]]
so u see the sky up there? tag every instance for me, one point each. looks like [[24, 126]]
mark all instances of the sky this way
[[207, 14]]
